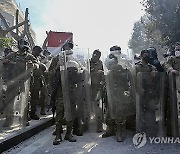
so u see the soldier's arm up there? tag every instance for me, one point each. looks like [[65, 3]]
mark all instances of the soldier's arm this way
[[137, 84], [52, 68], [9, 58], [168, 65], [32, 62]]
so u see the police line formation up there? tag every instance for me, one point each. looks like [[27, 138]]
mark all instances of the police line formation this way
[[142, 96]]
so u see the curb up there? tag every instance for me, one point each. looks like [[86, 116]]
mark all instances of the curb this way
[[24, 134]]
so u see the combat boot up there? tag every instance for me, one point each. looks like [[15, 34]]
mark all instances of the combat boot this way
[[77, 129], [109, 132], [58, 138], [68, 135], [119, 133], [99, 128]]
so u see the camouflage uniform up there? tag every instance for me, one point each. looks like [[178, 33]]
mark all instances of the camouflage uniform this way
[[147, 90], [38, 84], [146, 68], [119, 105], [97, 81], [54, 70], [172, 63]]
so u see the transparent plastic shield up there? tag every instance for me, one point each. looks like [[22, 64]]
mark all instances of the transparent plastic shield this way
[[15, 95], [83, 86], [120, 93], [97, 89], [119, 86], [65, 87], [150, 104], [174, 89]]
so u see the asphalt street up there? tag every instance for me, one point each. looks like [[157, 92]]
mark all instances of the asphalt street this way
[[90, 142]]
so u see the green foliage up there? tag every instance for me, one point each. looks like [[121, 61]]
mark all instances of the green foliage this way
[[139, 39], [165, 17], [6, 43], [159, 27]]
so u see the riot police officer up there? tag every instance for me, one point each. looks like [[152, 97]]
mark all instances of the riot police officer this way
[[173, 62], [38, 84], [172, 68], [65, 69], [97, 81], [150, 97], [120, 104], [22, 63], [154, 59]]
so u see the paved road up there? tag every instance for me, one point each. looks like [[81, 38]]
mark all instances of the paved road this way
[[89, 143]]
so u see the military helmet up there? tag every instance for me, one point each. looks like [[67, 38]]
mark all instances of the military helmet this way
[[37, 50], [152, 52], [97, 52], [23, 44], [115, 47], [7, 51]]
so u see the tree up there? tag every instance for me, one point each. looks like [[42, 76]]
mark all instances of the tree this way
[[165, 18], [6, 43], [139, 39]]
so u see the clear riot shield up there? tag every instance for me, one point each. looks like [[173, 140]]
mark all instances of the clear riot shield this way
[[174, 89], [65, 87], [83, 87], [150, 104], [120, 90], [15, 94], [97, 92]]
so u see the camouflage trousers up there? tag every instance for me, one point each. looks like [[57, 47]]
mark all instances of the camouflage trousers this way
[[114, 122], [60, 115], [97, 106], [38, 97]]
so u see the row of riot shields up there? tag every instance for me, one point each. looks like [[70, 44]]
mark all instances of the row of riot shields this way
[[14, 94], [141, 94], [120, 87], [157, 104], [150, 103], [174, 95], [75, 80]]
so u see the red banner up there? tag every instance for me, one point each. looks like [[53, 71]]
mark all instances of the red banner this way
[[56, 39]]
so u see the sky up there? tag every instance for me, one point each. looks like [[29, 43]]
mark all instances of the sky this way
[[95, 24]]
